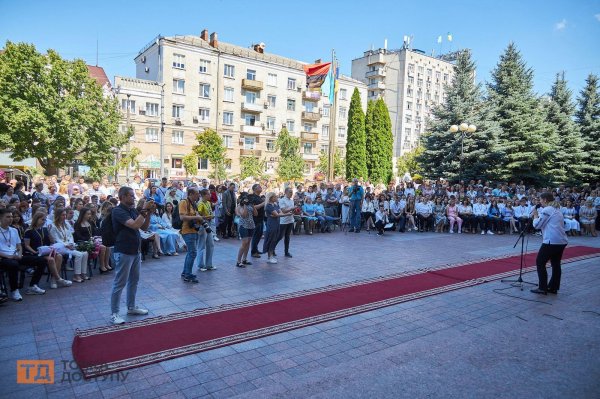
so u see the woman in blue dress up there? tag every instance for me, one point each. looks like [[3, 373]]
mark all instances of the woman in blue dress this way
[[168, 237], [309, 212]]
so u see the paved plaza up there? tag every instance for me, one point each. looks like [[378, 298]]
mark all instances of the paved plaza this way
[[471, 343]]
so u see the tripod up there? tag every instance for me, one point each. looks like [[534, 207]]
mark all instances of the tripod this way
[[519, 281]]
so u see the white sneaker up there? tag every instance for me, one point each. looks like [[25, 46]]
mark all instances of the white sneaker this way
[[451, 231], [215, 238], [490, 232], [459, 231], [34, 290], [115, 318], [482, 232], [64, 283], [137, 311], [272, 260], [16, 296], [53, 284]]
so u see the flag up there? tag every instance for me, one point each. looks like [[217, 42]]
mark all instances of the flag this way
[[449, 36], [440, 39], [328, 87], [316, 74]]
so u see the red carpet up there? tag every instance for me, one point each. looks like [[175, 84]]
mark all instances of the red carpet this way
[[108, 349]]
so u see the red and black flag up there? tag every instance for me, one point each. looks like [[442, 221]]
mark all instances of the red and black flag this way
[[316, 74]]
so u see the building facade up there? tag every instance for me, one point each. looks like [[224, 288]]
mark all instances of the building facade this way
[[186, 84], [410, 82]]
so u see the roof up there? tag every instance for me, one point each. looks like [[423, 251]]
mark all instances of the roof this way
[[98, 74]]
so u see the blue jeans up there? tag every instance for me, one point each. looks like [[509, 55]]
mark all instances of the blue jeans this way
[[355, 214], [191, 241], [127, 272], [204, 249]]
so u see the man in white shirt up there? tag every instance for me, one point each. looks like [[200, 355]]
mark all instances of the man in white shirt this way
[[396, 215], [480, 212], [523, 214], [425, 215], [286, 223]]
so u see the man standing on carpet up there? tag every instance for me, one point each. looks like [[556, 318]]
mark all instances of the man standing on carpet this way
[[357, 194], [126, 224], [554, 240]]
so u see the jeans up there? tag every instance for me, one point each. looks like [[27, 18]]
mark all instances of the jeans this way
[[191, 241], [127, 272], [258, 232], [355, 214], [205, 249]]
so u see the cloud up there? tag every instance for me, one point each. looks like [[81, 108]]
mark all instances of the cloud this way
[[561, 25], [597, 16]]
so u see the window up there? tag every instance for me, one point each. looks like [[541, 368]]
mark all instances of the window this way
[[250, 74], [419, 94], [307, 168], [409, 92], [228, 95], [326, 110], [291, 84], [309, 106], [445, 78], [291, 104], [411, 68], [204, 66], [204, 114], [228, 141], [429, 73], [418, 107], [270, 123], [420, 83], [228, 118], [228, 71], [177, 163], [250, 119], [272, 79], [343, 94], [436, 98], [177, 111], [179, 61], [421, 69], [324, 149], [202, 163], [341, 132], [271, 145], [428, 85], [151, 109], [272, 100], [249, 143], [308, 127], [325, 131], [250, 97], [308, 147], [408, 119], [204, 90], [178, 86], [131, 105], [409, 105], [343, 113], [177, 137], [290, 124], [438, 76], [411, 80], [407, 132], [152, 135]]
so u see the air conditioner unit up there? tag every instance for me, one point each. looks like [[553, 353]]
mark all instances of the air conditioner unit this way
[[142, 112], [178, 121], [299, 89], [143, 59], [195, 119], [266, 105], [147, 69]]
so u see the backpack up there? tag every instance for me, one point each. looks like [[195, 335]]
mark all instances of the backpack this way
[[107, 232], [176, 221]]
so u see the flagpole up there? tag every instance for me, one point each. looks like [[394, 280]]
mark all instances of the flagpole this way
[[332, 120]]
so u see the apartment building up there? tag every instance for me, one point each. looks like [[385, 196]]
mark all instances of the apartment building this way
[[192, 83], [411, 83]]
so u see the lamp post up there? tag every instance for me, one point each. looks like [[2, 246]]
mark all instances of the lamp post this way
[[464, 128]]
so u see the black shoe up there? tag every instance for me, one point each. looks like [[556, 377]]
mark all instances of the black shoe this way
[[255, 255], [246, 262], [351, 230], [552, 291], [288, 255], [238, 264], [538, 291], [357, 231], [190, 279]]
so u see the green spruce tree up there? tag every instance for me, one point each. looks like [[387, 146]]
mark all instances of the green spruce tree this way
[[442, 150], [356, 152], [387, 141], [371, 141], [567, 161], [526, 137], [588, 120]]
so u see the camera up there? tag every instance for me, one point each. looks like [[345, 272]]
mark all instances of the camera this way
[[198, 225]]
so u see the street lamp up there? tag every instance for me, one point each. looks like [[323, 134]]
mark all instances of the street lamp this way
[[464, 128]]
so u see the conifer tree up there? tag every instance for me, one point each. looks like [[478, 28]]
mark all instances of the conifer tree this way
[[356, 155], [371, 141], [588, 120], [387, 141]]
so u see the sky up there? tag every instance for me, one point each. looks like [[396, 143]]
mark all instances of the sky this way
[[552, 35]]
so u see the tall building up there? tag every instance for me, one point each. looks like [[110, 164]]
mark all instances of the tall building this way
[[410, 82], [192, 83]]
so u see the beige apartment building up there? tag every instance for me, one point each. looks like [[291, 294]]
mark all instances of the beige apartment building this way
[[186, 84], [410, 82]]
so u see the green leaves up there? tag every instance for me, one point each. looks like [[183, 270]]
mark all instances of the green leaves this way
[[339, 163], [252, 167], [210, 146], [291, 164], [190, 164], [52, 110], [588, 121], [379, 142], [356, 153]]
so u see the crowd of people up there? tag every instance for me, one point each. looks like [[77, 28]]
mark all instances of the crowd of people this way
[[65, 223]]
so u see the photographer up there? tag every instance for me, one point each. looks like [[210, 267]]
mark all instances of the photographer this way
[[356, 198], [190, 217], [381, 217], [247, 213], [206, 244]]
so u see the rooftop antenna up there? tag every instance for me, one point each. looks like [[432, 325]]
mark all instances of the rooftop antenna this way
[[385, 44]]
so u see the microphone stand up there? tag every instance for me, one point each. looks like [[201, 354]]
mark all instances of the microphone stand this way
[[519, 281]]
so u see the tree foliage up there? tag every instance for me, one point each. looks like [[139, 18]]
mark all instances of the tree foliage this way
[[291, 164], [339, 163], [588, 120], [356, 153], [190, 164], [252, 167], [409, 162], [52, 110], [379, 142], [210, 146]]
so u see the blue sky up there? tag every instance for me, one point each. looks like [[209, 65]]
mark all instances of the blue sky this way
[[552, 35]]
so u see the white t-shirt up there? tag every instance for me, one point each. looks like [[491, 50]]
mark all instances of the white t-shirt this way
[[286, 202], [9, 239]]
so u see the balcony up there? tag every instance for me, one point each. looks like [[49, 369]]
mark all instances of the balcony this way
[[311, 95], [311, 116], [378, 72], [250, 153], [376, 59], [376, 86], [250, 107], [309, 136], [310, 157], [251, 129], [252, 84]]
